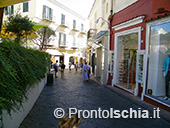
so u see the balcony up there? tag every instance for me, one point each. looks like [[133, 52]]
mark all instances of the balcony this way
[[74, 46], [74, 43], [47, 18], [82, 33], [73, 30], [62, 44], [91, 33], [62, 26]]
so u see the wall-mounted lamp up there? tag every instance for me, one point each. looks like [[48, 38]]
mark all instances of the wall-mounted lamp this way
[[160, 11], [96, 21]]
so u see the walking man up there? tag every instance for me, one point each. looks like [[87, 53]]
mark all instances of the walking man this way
[[89, 70], [81, 67], [56, 68]]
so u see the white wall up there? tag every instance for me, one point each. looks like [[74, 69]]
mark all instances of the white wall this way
[[18, 117]]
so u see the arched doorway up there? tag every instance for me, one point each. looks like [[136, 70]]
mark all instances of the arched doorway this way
[[71, 59]]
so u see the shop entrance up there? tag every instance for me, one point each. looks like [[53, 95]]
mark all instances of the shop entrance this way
[[71, 59], [127, 56]]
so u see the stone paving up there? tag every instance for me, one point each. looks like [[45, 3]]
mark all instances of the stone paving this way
[[72, 92]]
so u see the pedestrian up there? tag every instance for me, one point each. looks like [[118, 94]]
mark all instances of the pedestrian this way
[[70, 66], [81, 67], [56, 68], [76, 66], [62, 66], [85, 72], [89, 70]]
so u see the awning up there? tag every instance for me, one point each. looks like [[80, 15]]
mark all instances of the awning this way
[[38, 25], [101, 33], [54, 52], [4, 3]]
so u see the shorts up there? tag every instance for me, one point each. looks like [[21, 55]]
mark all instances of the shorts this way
[[56, 70]]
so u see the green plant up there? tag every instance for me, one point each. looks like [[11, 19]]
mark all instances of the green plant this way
[[46, 35], [19, 26], [20, 68]]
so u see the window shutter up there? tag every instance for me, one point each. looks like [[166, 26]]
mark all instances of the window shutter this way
[[51, 14], [6, 10], [59, 38], [44, 11], [12, 9], [65, 39]]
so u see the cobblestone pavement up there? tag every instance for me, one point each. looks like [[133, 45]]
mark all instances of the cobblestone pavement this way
[[72, 91]]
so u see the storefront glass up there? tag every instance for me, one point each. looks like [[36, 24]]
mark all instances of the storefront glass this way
[[127, 51], [158, 74]]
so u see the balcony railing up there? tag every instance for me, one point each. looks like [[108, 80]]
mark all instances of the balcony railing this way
[[47, 17], [74, 46], [62, 44]]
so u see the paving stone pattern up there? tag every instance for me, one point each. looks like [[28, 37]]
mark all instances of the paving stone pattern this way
[[72, 91]]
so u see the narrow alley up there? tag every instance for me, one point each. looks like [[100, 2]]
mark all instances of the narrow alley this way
[[72, 92]]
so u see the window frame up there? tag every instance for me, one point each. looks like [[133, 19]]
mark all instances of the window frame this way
[[25, 7]]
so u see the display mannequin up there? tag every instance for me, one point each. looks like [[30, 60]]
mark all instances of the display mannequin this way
[[167, 76]]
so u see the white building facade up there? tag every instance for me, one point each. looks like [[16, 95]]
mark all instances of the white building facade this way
[[98, 39], [70, 41]]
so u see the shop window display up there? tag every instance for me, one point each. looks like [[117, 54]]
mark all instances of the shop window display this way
[[140, 66], [158, 82], [127, 51]]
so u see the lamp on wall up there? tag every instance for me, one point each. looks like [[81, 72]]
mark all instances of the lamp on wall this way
[[96, 21], [160, 11]]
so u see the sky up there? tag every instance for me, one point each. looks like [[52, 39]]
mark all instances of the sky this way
[[81, 7]]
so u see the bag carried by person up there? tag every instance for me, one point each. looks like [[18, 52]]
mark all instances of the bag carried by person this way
[[63, 66], [55, 67]]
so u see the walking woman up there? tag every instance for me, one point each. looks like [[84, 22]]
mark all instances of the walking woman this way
[[85, 72], [62, 65]]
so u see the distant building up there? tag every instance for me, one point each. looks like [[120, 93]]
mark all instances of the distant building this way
[[70, 41]]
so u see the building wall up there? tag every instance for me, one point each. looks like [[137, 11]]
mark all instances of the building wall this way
[[99, 10], [149, 9], [119, 5], [35, 14], [140, 8]]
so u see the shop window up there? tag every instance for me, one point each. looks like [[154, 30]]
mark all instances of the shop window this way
[[127, 54], [158, 80]]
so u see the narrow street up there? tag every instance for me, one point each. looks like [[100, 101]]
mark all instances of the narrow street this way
[[72, 92]]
